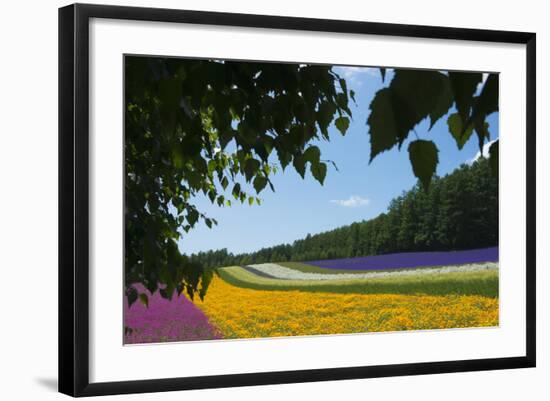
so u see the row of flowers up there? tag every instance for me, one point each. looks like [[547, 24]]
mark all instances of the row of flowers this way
[[246, 313], [405, 260], [281, 272], [164, 320]]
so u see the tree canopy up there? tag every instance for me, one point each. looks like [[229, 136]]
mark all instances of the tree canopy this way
[[207, 126], [210, 126]]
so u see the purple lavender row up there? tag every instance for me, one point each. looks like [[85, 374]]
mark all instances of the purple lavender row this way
[[410, 260], [165, 320]]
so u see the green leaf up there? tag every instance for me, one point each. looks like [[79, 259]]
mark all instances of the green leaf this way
[[206, 279], [236, 190], [251, 167], [324, 116], [342, 123], [482, 129], [250, 200], [144, 299], [352, 95], [259, 183], [284, 157], [460, 135], [224, 182], [342, 102], [212, 164], [208, 222], [382, 123], [493, 158], [177, 158], [443, 102], [420, 94], [312, 154], [483, 105], [300, 165], [412, 96], [487, 101], [343, 85], [132, 295], [424, 159], [319, 171], [192, 216], [464, 86]]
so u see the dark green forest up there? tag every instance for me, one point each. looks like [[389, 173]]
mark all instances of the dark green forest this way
[[459, 211]]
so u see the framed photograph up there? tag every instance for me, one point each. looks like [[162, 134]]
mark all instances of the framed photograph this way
[[251, 199]]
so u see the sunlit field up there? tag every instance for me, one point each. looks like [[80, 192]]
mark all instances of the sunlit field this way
[[297, 299], [248, 313]]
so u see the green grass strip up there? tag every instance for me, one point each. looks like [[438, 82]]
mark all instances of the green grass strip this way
[[483, 283], [305, 268]]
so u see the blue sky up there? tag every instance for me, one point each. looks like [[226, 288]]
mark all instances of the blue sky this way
[[358, 191]]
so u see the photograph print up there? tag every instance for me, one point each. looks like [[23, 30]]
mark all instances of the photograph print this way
[[277, 199]]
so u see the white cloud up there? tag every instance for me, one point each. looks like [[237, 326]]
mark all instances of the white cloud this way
[[485, 152], [353, 201]]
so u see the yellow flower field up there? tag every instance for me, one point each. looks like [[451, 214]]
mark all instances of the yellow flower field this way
[[246, 313]]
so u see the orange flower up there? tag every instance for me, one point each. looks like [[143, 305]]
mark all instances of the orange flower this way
[[246, 313]]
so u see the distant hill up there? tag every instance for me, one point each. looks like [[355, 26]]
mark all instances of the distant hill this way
[[460, 211]]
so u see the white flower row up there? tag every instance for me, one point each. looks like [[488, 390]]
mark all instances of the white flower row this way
[[278, 271]]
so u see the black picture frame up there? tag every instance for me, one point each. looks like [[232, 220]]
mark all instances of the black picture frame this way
[[74, 198]]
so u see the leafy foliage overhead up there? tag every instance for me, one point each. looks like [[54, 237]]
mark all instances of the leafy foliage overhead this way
[[414, 95], [212, 127]]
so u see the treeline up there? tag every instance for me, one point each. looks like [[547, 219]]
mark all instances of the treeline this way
[[460, 211]]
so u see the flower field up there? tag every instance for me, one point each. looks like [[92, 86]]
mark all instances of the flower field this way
[[166, 320], [411, 260], [293, 299], [247, 313], [275, 270], [483, 283]]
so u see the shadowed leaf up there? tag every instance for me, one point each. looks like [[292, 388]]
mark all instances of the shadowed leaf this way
[[424, 159], [411, 97], [342, 123], [382, 123], [300, 165], [464, 85], [319, 171], [144, 299], [312, 154], [132, 295], [259, 183], [460, 135]]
